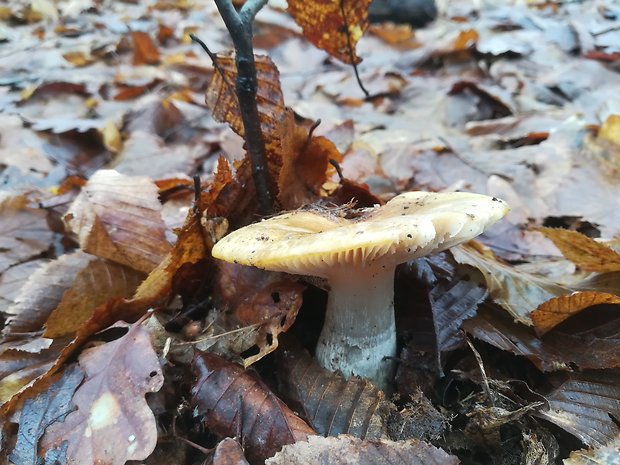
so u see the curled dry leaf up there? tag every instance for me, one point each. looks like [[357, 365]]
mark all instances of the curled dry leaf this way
[[258, 297], [234, 402], [347, 450], [119, 218], [595, 347], [553, 312], [586, 404], [516, 291], [112, 423], [586, 253], [334, 26], [46, 408], [23, 231], [328, 402]]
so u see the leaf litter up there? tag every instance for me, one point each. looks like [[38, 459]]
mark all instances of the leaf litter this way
[[514, 100]]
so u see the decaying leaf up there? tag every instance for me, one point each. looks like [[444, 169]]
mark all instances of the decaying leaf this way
[[585, 404], [332, 25], [144, 49], [607, 454], [328, 402], [553, 312], [229, 452], [591, 347], [516, 291], [112, 423], [119, 218], [24, 232], [257, 297], [13, 279], [231, 402], [347, 450], [42, 411], [586, 253]]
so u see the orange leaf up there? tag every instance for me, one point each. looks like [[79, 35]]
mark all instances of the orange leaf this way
[[465, 40], [145, 51], [332, 25], [583, 251], [553, 312], [113, 422]]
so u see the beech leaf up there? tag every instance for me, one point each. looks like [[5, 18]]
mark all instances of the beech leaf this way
[[112, 423], [228, 398], [119, 218]]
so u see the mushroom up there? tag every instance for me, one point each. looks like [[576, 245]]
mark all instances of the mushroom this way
[[357, 255]]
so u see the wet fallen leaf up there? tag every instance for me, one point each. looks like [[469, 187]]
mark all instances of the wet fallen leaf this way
[[42, 411], [585, 404], [119, 218], [229, 452], [553, 312], [112, 423], [232, 401], [334, 26], [328, 402], [145, 51], [586, 253], [347, 450]]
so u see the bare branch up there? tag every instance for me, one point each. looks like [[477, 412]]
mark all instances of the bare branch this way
[[249, 10]]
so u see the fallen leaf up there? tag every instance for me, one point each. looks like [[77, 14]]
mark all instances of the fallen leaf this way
[[145, 51], [593, 347], [608, 454], [585, 404], [13, 279], [43, 410], [516, 291], [610, 130], [112, 423], [553, 312], [586, 253], [24, 232], [229, 452], [334, 26], [119, 218], [347, 450], [228, 398], [99, 281], [328, 402]]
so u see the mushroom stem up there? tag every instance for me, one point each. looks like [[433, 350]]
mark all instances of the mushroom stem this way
[[359, 329]]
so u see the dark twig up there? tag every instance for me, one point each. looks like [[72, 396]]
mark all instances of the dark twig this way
[[350, 46], [336, 165], [239, 26]]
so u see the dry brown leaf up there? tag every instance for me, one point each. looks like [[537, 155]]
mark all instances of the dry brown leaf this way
[[332, 25], [145, 51], [586, 253], [328, 402], [347, 450], [43, 292], [585, 404], [13, 279], [270, 301], [594, 345], [112, 423], [229, 452], [99, 281], [553, 312], [516, 291], [24, 232], [119, 218], [228, 398]]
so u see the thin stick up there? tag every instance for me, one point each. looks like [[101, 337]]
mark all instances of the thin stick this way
[[240, 28], [350, 45]]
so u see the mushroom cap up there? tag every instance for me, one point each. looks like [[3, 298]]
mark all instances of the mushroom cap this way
[[319, 243]]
